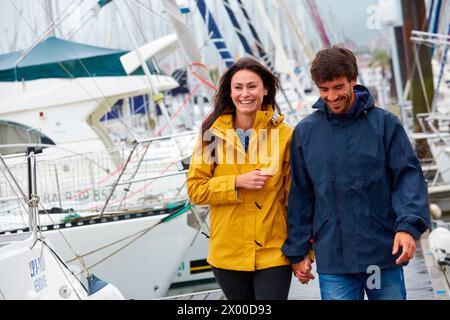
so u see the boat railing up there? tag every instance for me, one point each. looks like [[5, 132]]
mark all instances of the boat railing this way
[[435, 129], [146, 174]]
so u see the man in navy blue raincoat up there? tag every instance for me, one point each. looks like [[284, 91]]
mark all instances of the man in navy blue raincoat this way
[[357, 193]]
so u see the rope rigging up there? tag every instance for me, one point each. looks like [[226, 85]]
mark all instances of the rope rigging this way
[[131, 131]]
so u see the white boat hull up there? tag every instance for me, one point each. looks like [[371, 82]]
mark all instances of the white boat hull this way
[[142, 270], [60, 108], [34, 273]]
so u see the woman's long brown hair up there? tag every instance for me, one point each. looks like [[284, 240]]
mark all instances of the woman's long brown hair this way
[[222, 101]]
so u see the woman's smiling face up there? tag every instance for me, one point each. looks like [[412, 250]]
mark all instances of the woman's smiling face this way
[[247, 91]]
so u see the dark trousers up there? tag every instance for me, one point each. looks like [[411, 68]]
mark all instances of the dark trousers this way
[[266, 284]]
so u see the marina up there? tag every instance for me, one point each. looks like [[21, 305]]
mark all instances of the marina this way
[[101, 103]]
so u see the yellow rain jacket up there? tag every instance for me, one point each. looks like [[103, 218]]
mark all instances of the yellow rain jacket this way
[[248, 227]]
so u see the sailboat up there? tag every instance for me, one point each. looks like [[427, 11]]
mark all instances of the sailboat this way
[[62, 88], [39, 272], [120, 229]]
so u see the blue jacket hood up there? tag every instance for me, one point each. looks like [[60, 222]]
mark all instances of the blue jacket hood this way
[[364, 101]]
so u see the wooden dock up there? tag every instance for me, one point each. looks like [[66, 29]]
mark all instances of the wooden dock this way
[[424, 281]]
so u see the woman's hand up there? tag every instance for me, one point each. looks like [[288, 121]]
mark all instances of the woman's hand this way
[[253, 180]]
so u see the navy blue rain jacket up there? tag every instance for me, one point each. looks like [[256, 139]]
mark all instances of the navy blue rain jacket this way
[[356, 181]]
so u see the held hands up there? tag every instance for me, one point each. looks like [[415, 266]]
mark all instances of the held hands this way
[[406, 242], [253, 180], [302, 270]]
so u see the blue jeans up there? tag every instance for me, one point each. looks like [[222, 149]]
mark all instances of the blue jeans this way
[[391, 286]]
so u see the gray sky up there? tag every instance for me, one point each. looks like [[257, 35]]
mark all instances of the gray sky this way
[[353, 17]]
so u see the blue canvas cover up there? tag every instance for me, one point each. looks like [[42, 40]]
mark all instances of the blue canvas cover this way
[[58, 58]]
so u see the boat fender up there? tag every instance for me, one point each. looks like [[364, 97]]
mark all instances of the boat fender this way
[[439, 241], [101, 290], [436, 211]]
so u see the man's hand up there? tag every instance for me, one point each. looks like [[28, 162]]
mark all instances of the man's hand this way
[[253, 180], [302, 270], [406, 242]]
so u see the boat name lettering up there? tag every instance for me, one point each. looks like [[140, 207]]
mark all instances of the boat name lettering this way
[[37, 266], [90, 195], [40, 283]]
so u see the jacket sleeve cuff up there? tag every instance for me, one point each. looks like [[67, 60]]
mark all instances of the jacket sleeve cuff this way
[[409, 229], [297, 259], [233, 192], [293, 260], [224, 189]]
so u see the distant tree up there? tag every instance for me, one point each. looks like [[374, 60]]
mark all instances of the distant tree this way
[[380, 58]]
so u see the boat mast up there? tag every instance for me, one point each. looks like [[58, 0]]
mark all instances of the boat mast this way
[[214, 33], [247, 47], [298, 32], [259, 47], [311, 4], [185, 37], [157, 97], [280, 55], [93, 12], [237, 28]]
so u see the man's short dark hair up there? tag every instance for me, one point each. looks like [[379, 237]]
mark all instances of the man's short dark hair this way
[[332, 63]]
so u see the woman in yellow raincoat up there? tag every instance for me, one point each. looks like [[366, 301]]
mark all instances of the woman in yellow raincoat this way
[[240, 168]]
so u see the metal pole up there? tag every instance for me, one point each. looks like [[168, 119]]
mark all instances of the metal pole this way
[[32, 192], [57, 187], [135, 144], [397, 74], [157, 97]]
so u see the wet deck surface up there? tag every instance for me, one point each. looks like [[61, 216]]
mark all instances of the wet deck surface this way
[[423, 279]]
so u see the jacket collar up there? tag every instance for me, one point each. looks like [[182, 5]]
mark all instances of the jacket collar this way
[[223, 126], [363, 102], [263, 119]]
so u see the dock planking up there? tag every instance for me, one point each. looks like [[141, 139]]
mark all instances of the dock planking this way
[[423, 281]]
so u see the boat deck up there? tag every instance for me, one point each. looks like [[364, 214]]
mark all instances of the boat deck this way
[[424, 281]]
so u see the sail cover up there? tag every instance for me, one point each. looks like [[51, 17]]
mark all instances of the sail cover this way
[[58, 58]]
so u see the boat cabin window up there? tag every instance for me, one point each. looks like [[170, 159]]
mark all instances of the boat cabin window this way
[[15, 137]]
